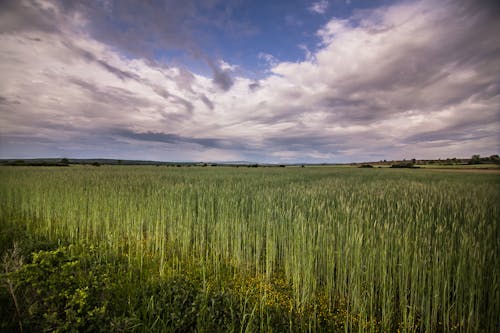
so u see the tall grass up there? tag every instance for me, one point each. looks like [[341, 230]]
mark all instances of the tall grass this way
[[392, 249]]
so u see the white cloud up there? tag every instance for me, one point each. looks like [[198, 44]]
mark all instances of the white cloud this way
[[268, 58], [319, 7], [227, 66], [308, 53]]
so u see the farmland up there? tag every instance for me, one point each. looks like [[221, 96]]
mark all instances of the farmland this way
[[144, 248]]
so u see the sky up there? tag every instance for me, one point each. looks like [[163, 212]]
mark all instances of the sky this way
[[282, 81]]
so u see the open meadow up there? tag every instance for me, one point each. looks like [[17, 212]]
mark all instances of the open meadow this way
[[144, 249]]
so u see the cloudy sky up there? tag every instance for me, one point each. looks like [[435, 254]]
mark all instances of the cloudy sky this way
[[249, 80]]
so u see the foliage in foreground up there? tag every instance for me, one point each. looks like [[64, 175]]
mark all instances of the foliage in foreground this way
[[60, 291]]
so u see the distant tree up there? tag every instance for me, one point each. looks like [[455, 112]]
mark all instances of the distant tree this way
[[475, 159], [64, 161], [404, 164], [96, 164]]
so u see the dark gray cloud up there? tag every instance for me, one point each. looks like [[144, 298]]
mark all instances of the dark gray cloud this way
[[123, 75], [466, 129], [164, 93], [166, 24], [173, 139], [91, 57], [110, 96], [162, 26], [19, 15], [184, 80], [6, 101], [207, 101], [109, 102], [301, 142], [254, 85], [422, 72], [222, 79], [448, 134], [122, 96]]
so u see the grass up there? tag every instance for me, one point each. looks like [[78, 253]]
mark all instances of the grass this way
[[273, 249]]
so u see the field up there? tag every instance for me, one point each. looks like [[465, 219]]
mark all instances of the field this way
[[479, 167], [144, 248]]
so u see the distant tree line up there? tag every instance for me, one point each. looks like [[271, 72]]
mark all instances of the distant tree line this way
[[63, 163], [413, 163], [477, 159]]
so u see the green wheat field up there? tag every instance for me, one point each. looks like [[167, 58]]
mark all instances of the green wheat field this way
[[226, 249]]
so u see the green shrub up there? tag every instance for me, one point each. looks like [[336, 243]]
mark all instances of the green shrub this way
[[60, 292]]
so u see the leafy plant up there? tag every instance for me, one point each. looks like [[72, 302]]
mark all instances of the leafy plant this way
[[59, 292]]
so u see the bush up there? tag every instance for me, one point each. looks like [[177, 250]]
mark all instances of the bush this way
[[407, 165], [57, 291]]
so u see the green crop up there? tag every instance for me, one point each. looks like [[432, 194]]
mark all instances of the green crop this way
[[338, 248]]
